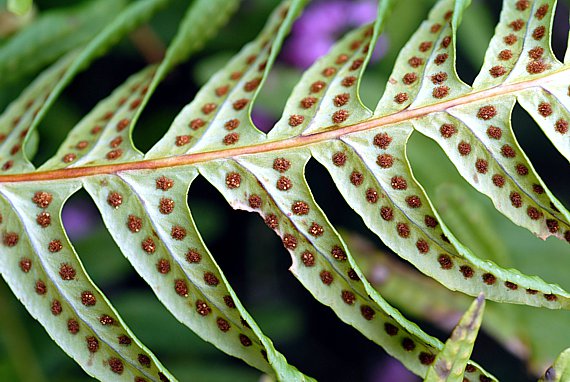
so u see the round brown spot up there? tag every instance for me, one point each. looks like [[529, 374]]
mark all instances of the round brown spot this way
[[341, 99], [498, 180], [116, 365], [296, 120], [413, 201], [481, 165], [521, 169], [245, 341], [25, 264], [494, 132], [466, 271], [116, 142], [536, 67], [308, 259], [42, 199], [561, 126], [487, 112], [552, 225], [341, 59], [511, 286], [536, 53], [106, 320], [134, 223], [281, 164], [489, 278], [371, 195], [398, 183], [497, 71], [403, 230], [326, 277], [327, 72], [223, 325], [409, 78], [550, 297], [308, 102], [163, 183], [441, 58], [55, 246], [166, 206], [114, 199], [316, 229], [508, 152], [289, 241], [222, 90], [163, 266], [228, 300], [195, 124], [231, 139], [340, 116], [181, 288], [356, 178], [144, 360], [66, 272], [390, 329], [353, 275], [348, 81], [538, 33], [367, 312], [211, 279], [422, 246], [284, 184], [72, 326], [464, 148], [439, 78], [425, 46], [114, 154], [68, 158], [382, 141], [232, 124], [56, 308], [233, 180], [148, 245], [447, 130], [538, 189], [208, 108], [339, 159], [43, 219], [348, 297], [88, 298], [401, 98], [521, 5], [386, 213], [317, 86], [445, 261], [510, 39], [271, 221], [182, 140], [252, 85], [516, 199], [505, 55], [338, 253], [544, 109], [356, 64], [446, 41], [440, 92], [415, 62], [122, 124], [426, 358], [408, 344], [255, 201], [300, 208], [193, 257]]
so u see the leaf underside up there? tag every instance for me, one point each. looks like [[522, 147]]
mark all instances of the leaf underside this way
[[142, 197]]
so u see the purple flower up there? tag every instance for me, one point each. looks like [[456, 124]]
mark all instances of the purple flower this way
[[79, 218], [392, 370], [322, 24]]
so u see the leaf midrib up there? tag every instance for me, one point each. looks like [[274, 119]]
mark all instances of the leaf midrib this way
[[288, 143]]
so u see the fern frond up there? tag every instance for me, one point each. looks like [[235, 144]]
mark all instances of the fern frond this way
[[142, 198]]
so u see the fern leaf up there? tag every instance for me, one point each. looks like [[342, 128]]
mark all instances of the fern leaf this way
[[559, 371], [451, 363], [24, 114], [142, 198], [53, 34], [43, 270], [20, 7]]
